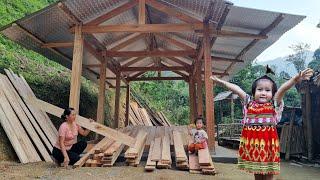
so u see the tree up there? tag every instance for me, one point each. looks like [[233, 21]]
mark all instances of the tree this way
[[315, 63], [298, 59]]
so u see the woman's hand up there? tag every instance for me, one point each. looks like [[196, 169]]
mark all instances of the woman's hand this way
[[66, 161], [304, 75]]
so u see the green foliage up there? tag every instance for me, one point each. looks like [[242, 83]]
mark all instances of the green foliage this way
[[315, 63]]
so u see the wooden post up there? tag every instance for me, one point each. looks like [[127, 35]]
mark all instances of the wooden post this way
[[208, 87], [126, 123], [74, 98], [232, 108], [221, 112], [309, 123], [199, 90], [289, 138], [191, 100], [117, 102], [102, 94], [142, 11]]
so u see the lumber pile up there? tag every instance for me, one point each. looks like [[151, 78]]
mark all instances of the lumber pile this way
[[133, 154], [29, 129], [180, 154]]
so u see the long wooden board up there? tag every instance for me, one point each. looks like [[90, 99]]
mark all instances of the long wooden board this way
[[84, 122], [26, 143], [8, 91]]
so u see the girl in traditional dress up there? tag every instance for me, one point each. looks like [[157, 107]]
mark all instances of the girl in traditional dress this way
[[259, 150]]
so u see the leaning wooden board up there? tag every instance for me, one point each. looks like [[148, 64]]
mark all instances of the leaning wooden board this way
[[84, 122]]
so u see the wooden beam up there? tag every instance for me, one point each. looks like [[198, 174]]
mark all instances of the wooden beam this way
[[113, 13], [117, 102], [142, 12], [126, 123], [84, 122], [172, 12], [57, 44], [171, 68], [230, 34], [208, 88], [156, 79], [102, 94], [176, 60], [199, 89], [218, 73], [215, 58], [174, 41], [155, 53], [133, 61], [127, 42], [142, 28], [137, 75], [68, 13], [74, 98], [263, 32], [92, 65], [192, 100]]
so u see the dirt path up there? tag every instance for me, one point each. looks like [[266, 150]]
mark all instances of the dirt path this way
[[10, 170]]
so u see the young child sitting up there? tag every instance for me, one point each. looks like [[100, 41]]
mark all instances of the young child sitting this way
[[200, 137]]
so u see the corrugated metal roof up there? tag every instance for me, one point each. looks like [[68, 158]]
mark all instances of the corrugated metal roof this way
[[52, 25], [225, 95]]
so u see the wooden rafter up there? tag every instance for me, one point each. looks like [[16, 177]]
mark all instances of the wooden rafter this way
[[215, 58], [156, 79], [173, 41], [57, 45], [127, 42], [113, 13], [171, 68], [155, 53], [133, 61], [172, 12], [154, 28], [142, 12], [176, 60]]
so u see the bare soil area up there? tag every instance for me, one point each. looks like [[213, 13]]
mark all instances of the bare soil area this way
[[12, 170]]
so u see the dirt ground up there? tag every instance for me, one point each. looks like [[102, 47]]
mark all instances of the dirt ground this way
[[12, 170]]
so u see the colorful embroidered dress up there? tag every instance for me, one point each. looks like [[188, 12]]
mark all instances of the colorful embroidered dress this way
[[259, 150]]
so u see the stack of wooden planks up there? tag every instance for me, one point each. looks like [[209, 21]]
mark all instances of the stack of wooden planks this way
[[29, 129], [133, 154], [180, 154]]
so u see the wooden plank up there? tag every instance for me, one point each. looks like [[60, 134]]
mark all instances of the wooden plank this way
[[140, 141], [42, 119], [30, 151], [156, 153], [289, 137], [194, 163], [204, 157], [178, 146], [74, 99], [84, 158], [113, 13], [165, 153], [150, 165], [13, 100], [31, 118], [146, 116], [84, 122], [13, 138]]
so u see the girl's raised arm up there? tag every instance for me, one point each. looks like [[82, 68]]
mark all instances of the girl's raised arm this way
[[233, 87], [303, 75]]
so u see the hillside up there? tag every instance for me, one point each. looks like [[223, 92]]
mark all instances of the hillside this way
[[281, 64]]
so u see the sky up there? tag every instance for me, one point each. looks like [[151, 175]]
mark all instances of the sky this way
[[305, 32]]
